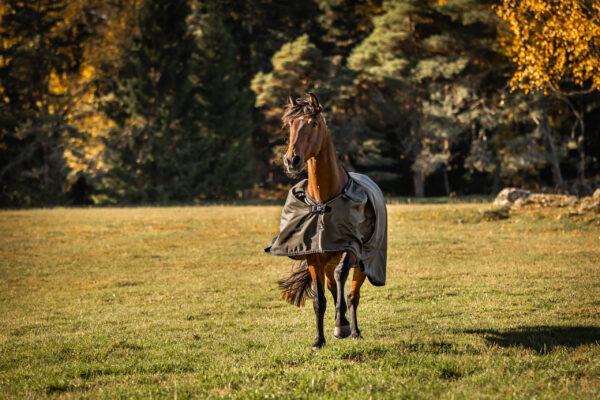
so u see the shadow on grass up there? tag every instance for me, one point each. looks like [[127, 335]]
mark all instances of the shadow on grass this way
[[541, 339]]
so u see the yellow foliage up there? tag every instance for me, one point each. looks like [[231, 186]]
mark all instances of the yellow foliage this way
[[552, 41], [57, 84], [72, 94], [85, 154]]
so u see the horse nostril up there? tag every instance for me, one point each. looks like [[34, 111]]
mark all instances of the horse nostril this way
[[295, 161]]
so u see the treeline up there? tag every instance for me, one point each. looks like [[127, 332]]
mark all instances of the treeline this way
[[153, 101]]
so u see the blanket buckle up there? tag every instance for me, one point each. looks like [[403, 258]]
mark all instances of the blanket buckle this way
[[321, 209]]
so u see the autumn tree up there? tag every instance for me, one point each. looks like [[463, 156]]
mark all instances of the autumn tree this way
[[39, 49], [554, 44], [102, 54], [552, 41]]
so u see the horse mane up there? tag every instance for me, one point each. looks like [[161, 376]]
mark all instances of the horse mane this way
[[302, 108]]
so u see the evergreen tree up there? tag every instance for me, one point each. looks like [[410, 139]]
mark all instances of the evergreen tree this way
[[151, 100], [259, 28], [298, 67], [182, 118], [505, 143], [346, 23], [38, 46], [429, 59], [225, 100]]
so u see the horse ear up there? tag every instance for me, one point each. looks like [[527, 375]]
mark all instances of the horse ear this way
[[314, 102], [291, 101]]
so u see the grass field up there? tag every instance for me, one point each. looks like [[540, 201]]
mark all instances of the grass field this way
[[182, 302]]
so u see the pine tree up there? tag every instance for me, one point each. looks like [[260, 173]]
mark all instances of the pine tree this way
[[183, 116], [346, 23], [298, 67], [38, 47], [429, 59], [225, 106], [259, 28], [150, 103]]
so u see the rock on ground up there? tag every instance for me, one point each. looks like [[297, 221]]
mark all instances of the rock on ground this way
[[508, 196], [519, 198]]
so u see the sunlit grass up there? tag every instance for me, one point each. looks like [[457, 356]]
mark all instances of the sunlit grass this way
[[165, 302]]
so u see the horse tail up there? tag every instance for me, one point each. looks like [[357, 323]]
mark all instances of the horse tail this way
[[298, 286]]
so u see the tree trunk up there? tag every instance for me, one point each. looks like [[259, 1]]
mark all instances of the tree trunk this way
[[46, 167], [581, 166], [419, 182], [446, 180], [496, 182], [416, 137], [581, 138], [549, 143], [446, 166]]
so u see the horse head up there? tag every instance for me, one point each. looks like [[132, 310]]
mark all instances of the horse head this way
[[308, 131]]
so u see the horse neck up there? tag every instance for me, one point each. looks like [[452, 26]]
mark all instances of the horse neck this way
[[326, 177]]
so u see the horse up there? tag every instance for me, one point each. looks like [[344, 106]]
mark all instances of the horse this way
[[311, 147]]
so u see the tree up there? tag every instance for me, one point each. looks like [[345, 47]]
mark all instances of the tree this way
[[552, 41], [225, 112], [259, 28], [346, 23], [505, 142], [39, 47], [150, 99], [428, 59], [298, 67], [553, 44], [112, 26], [181, 117]]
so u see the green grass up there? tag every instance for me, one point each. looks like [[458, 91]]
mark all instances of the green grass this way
[[182, 302]]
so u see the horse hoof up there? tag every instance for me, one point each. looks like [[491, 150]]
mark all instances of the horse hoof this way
[[356, 335], [341, 332], [318, 344]]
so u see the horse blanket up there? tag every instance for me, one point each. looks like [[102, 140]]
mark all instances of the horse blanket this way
[[308, 226]]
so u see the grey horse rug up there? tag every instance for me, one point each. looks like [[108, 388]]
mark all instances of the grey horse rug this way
[[337, 225]]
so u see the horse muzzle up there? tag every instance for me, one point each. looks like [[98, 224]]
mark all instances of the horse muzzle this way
[[293, 164]]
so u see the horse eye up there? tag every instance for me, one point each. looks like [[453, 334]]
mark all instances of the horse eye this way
[[313, 124]]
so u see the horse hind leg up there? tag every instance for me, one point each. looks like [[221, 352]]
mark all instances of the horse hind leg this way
[[341, 271], [358, 278]]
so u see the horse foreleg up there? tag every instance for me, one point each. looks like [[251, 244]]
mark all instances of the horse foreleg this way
[[329, 268], [342, 327], [317, 272], [353, 298]]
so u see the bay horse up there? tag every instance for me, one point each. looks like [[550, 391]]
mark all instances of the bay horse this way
[[311, 147]]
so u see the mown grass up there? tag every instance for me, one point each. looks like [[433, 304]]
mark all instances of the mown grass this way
[[182, 302]]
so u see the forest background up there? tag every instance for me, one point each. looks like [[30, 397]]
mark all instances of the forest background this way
[[162, 102]]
